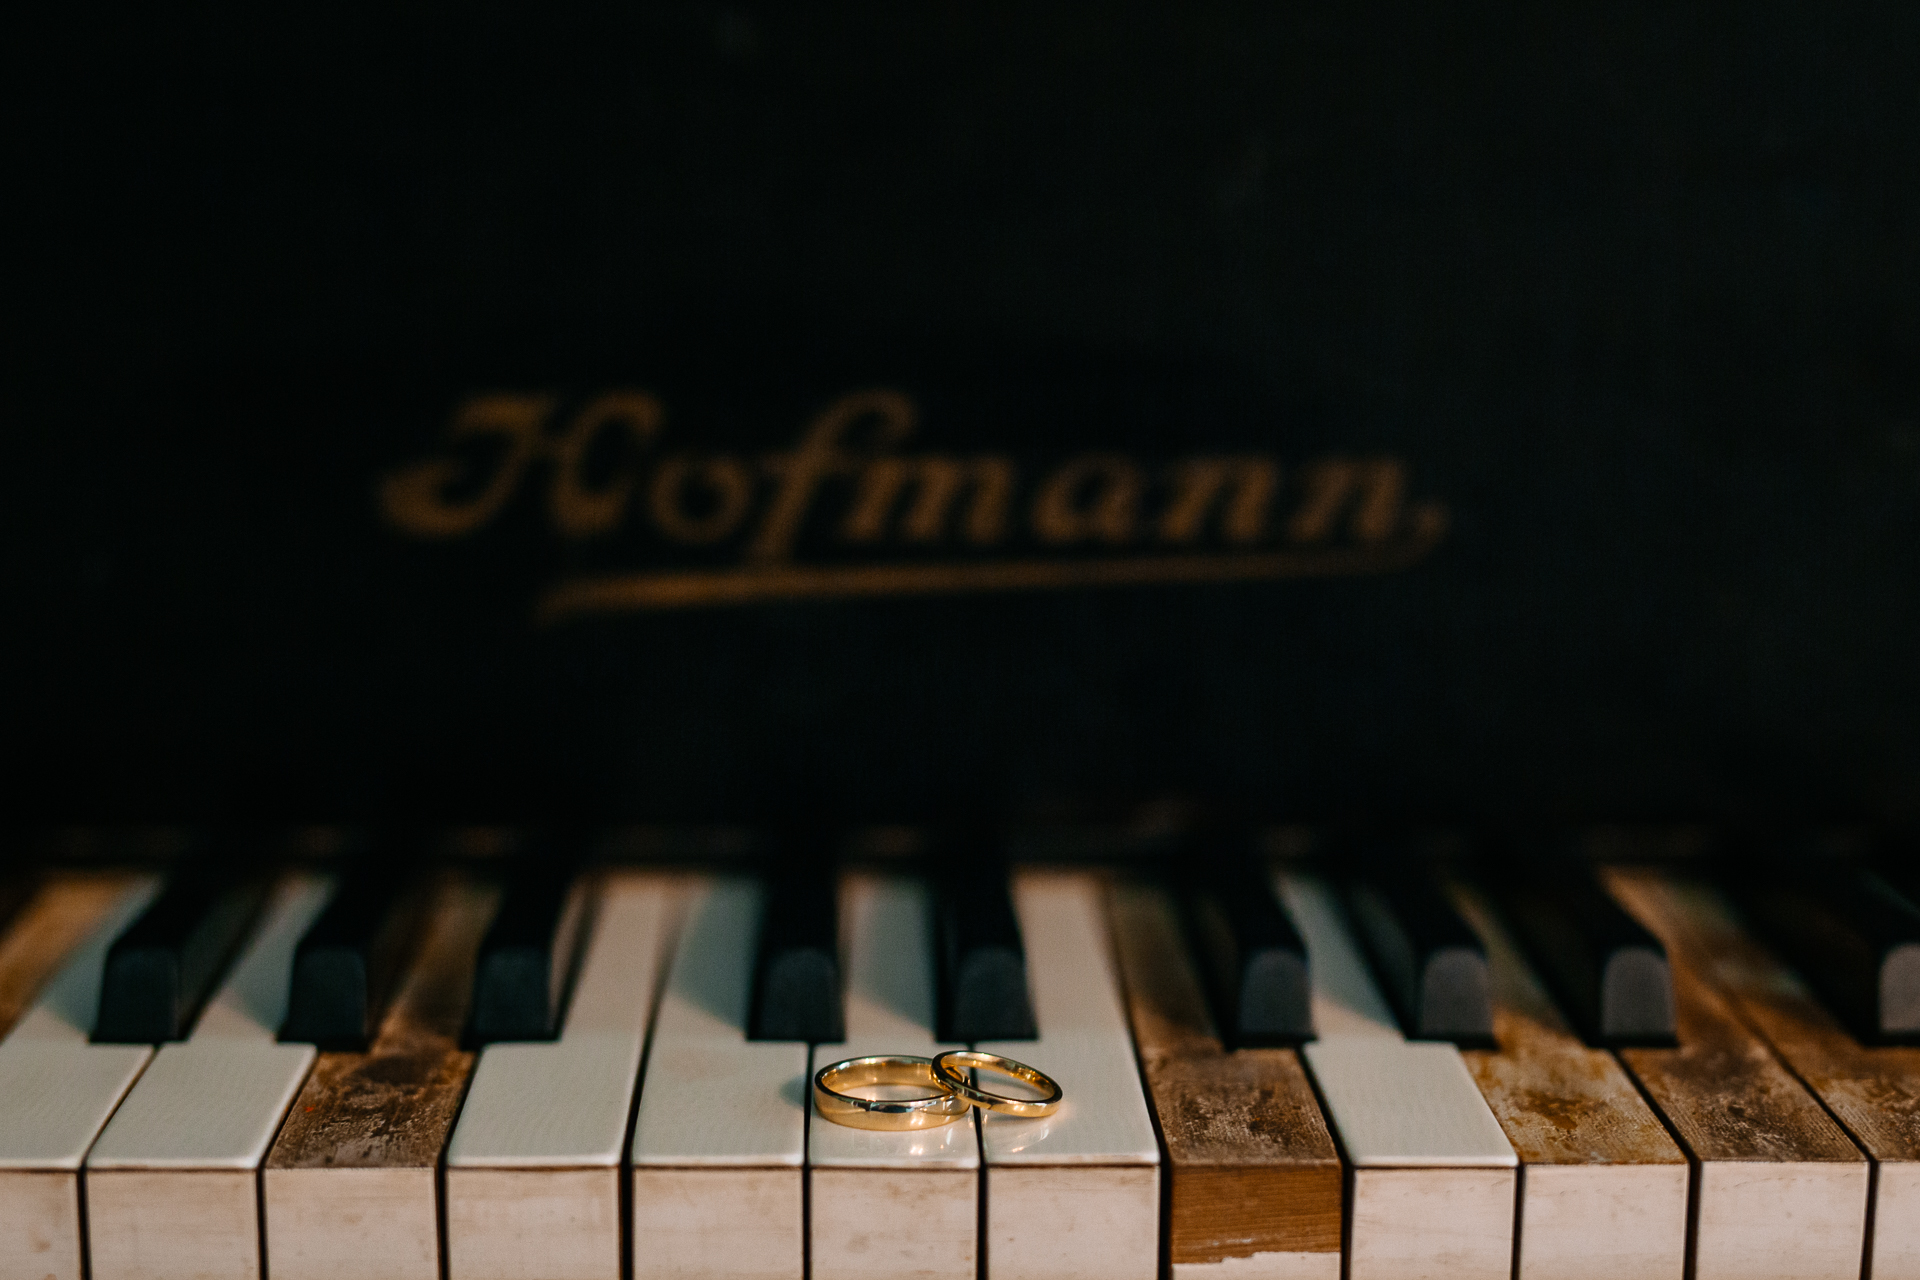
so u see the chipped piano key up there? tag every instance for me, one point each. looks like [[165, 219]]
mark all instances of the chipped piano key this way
[[351, 1186], [1254, 1181]]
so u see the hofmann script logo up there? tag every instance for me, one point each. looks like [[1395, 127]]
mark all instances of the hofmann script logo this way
[[898, 523]]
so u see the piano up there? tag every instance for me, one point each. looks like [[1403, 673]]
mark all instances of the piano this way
[[1285, 1053], [1341, 579]]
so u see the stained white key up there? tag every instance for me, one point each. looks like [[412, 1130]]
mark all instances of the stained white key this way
[[890, 1204], [1433, 1174], [1781, 1192], [351, 1185], [1603, 1185], [1074, 1195], [56, 1091], [719, 1140], [533, 1169], [171, 1183]]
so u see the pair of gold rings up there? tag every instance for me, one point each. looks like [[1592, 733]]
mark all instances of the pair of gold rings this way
[[951, 1077]]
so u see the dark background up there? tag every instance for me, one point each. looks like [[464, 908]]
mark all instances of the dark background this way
[[1633, 288]]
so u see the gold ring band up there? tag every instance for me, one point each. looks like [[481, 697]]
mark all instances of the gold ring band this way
[[952, 1070], [941, 1106]]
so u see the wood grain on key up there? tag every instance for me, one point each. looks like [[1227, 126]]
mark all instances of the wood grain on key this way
[[350, 1186], [1254, 1181], [1873, 1092], [1781, 1191], [1604, 1188]]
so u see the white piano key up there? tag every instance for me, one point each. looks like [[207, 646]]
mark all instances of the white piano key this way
[[1433, 1176], [1781, 1191], [1404, 1106], [1074, 1195], [58, 1091], [351, 1185], [533, 1169], [1603, 1185], [890, 1204], [171, 1186], [719, 1138]]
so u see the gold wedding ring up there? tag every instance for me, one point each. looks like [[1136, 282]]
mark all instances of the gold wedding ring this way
[[955, 1069], [941, 1105]]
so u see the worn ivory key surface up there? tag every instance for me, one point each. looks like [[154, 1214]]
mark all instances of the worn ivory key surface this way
[[1603, 1191], [1433, 1176], [1074, 1195], [351, 1185], [171, 1184], [1254, 1181], [1782, 1190], [890, 1204], [533, 1171], [719, 1139], [57, 1089], [1874, 1092]]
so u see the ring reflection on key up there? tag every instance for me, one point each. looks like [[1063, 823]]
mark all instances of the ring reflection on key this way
[[955, 1069], [936, 1105]]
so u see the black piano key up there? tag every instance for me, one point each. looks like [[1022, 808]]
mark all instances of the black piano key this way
[[797, 993], [1896, 860], [1608, 973], [163, 967], [527, 957], [1851, 934], [1429, 960], [981, 962], [347, 963], [1251, 958]]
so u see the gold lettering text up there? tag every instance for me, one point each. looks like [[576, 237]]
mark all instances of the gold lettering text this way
[[816, 458], [581, 511], [419, 499], [1375, 488], [1198, 484], [1091, 498], [937, 484], [726, 484]]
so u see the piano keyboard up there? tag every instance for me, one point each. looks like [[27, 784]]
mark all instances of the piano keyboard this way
[[584, 1076]]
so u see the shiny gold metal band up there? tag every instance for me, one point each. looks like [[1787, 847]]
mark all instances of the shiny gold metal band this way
[[940, 1106], [955, 1069]]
